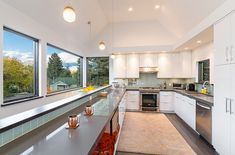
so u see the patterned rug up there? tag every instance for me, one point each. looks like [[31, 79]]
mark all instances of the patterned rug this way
[[151, 133]]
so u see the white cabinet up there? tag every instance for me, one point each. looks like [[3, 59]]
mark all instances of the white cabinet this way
[[223, 125], [185, 108], [175, 65], [132, 66], [186, 64], [167, 101], [224, 40], [165, 65], [148, 60], [122, 110], [119, 66], [232, 38], [132, 100]]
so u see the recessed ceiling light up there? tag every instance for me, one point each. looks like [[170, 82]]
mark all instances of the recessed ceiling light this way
[[157, 6], [199, 41], [130, 9], [186, 48]]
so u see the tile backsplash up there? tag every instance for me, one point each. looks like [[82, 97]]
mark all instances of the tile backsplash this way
[[151, 80]]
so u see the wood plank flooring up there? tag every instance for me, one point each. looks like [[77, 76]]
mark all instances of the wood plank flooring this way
[[200, 146]]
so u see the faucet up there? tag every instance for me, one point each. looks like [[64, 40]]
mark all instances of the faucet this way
[[204, 84], [204, 89]]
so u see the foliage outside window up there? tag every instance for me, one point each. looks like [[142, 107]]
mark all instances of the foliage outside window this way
[[19, 66], [97, 71], [204, 71], [64, 70]]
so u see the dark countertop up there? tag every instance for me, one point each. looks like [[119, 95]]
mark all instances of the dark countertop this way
[[14, 120], [53, 138], [194, 95]]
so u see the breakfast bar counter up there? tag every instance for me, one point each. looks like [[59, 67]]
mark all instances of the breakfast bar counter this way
[[53, 137]]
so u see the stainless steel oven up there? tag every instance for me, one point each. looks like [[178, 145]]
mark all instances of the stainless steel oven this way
[[149, 99], [204, 121]]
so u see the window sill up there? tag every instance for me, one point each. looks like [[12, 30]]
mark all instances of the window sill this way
[[63, 91], [20, 100]]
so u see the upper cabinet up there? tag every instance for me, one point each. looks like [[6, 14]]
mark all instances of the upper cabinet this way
[[224, 40], [175, 65], [148, 60], [119, 66], [132, 66], [165, 65], [126, 66], [186, 64]]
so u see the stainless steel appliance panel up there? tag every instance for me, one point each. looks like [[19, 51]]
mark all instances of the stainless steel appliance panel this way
[[204, 121]]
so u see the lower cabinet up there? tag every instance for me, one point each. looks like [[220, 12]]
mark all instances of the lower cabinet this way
[[185, 108], [167, 101], [132, 100]]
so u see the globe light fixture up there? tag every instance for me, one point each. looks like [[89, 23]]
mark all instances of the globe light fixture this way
[[69, 14], [102, 45], [112, 56]]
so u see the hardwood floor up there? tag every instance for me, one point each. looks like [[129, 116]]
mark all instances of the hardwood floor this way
[[200, 146]]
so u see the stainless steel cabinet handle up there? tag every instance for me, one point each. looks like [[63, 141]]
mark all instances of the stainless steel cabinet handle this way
[[226, 105], [231, 53], [226, 53], [205, 107], [231, 102]]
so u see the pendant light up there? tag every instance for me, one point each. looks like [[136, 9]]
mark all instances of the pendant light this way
[[69, 14], [102, 46]]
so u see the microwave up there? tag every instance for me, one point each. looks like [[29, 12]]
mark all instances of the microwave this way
[[178, 86]]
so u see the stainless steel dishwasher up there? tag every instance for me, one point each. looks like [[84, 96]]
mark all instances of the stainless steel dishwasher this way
[[204, 121]]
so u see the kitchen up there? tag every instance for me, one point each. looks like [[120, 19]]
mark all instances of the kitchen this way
[[117, 77]]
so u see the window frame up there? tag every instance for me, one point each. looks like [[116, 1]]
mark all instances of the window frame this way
[[69, 89], [87, 66], [35, 94]]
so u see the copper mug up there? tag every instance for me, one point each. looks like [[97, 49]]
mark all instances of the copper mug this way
[[89, 110], [73, 121]]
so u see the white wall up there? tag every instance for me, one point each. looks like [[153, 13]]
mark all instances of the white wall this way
[[18, 21], [202, 53], [134, 37]]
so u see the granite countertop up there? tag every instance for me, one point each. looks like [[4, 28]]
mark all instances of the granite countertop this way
[[195, 95], [54, 138]]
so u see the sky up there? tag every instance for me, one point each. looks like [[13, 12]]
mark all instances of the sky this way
[[22, 48]]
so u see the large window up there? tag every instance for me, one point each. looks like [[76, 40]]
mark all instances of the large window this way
[[64, 70], [204, 71], [97, 71], [19, 66]]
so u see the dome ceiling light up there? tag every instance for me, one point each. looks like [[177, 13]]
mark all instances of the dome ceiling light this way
[[102, 45], [69, 14]]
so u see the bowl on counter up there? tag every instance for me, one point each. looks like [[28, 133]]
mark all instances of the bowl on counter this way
[[103, 94]]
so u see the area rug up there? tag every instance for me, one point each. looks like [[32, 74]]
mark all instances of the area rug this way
[[151, 133]]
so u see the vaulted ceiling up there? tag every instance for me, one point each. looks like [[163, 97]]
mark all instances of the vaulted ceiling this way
[[176, 16]]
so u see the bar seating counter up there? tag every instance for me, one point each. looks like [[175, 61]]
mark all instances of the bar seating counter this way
[[54, 138]]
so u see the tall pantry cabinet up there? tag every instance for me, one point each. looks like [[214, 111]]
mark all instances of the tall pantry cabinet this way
[[223, 130]]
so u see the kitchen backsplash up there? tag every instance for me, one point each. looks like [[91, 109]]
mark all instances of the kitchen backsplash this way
[[151, 80], [210, 88]]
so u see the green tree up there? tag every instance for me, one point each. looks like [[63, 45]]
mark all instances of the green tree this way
[[55, 67], [98, 71], [18, 78]]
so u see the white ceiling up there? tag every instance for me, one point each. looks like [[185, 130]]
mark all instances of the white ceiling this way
[[176, 16]]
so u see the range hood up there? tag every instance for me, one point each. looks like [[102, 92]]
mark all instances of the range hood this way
[[149, 69]]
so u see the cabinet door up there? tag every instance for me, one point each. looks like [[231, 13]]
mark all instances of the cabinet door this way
[[221, 118], [164, 64], [222, 41], [119, 66], [132, 66], [148, 60], [232, 117], [232, 48], [186, 64], [175, 68], [132, 102]]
